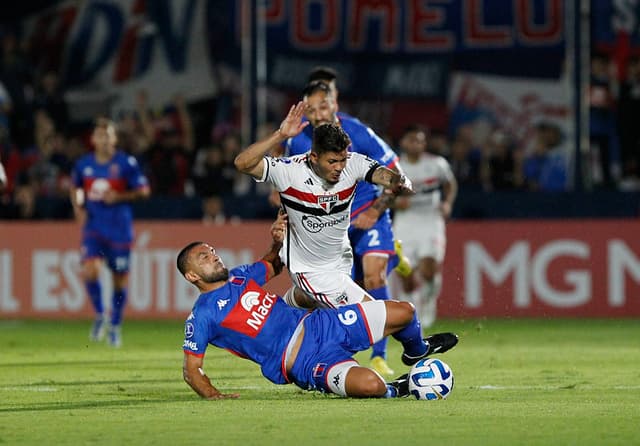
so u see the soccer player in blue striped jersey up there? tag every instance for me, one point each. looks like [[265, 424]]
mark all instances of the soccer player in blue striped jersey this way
[[313, 350], [106, 182]]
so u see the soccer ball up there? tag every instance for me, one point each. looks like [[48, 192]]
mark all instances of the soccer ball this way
[[430, 379]]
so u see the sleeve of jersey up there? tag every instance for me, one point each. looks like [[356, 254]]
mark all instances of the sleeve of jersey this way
[[76, 176], [275, 171], [445, 169], [365, 166], [256, 271], [196, 337], [135, 177]]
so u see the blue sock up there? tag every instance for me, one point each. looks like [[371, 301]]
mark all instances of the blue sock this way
[[380, 347], [117, 306], [94, 290], [411, 338]]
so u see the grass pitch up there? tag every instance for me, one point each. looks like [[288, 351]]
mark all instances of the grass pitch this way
[[543, 382]]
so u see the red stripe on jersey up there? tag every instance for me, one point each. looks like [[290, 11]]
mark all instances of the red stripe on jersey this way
[[366, 322], [393, 163], [117, 184], [362, 208], [430, 180], [266, 274], [313, 198]]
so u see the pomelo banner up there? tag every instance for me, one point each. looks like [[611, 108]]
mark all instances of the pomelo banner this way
[[492, 269]]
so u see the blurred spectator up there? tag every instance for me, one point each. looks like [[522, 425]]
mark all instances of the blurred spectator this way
[[465, 157], [50, 98], [602, 122], [501, 163], [438, 143], [171, 136], [213, 174], [628, 113], [545, 169], [16, 73], [5, 111], [133, 139]]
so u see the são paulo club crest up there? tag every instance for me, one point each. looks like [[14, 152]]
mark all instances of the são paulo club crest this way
[[327, 202]]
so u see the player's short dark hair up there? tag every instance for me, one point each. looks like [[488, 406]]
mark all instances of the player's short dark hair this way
[[322, 73], [103, 122], [314, 87], [416, 128], [183, 256], [329, 138]]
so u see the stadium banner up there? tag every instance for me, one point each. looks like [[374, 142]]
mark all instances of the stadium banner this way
[[516, 105], [111, 49], [492, 269], [106, 51]]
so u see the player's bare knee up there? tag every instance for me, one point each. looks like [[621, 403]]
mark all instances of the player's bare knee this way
[[369, 385]]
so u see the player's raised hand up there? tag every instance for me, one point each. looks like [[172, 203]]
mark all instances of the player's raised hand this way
[[279, 227], [292, 124]]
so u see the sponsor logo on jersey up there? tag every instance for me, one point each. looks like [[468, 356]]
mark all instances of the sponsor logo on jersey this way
[[189, 329], [327, 202], [309, 182], [314, 224], [222, 303], [252, 310], [190, 345], [249, 300]]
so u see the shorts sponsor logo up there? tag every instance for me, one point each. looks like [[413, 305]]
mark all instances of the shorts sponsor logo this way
[[315, 224]]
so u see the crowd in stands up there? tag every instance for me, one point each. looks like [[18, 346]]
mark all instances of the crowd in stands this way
[[39, 144]]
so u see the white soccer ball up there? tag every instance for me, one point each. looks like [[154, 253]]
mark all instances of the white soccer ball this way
[[430, 379]]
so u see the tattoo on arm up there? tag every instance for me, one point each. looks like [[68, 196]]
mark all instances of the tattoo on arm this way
[[383, 202]]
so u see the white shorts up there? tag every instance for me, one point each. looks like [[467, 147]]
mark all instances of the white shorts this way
[[422, 239], [329, 289]]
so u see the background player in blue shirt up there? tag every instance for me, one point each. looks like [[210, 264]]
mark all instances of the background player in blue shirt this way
[[313, 350], [370, 233], [106, 182]]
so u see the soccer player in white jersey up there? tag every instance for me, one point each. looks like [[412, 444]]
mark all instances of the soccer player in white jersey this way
[[316, 191], [419, 220]]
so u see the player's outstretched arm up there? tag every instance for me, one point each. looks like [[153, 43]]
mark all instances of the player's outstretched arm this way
[[199, 382], [249, 161], [397, 183]]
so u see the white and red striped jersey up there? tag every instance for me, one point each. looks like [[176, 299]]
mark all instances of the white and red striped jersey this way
[[427, 175], [318, 211]]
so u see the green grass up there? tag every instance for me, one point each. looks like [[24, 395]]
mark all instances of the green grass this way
[[543, 382]]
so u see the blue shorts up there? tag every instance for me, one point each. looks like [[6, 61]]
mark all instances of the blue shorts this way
[[331, 336], [116, 254], [376, 239]]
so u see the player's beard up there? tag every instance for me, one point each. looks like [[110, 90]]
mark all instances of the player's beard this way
[[216, 276]]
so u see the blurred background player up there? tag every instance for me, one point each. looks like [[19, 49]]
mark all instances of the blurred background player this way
[[419, 220], [370, 233], [106, 182]]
